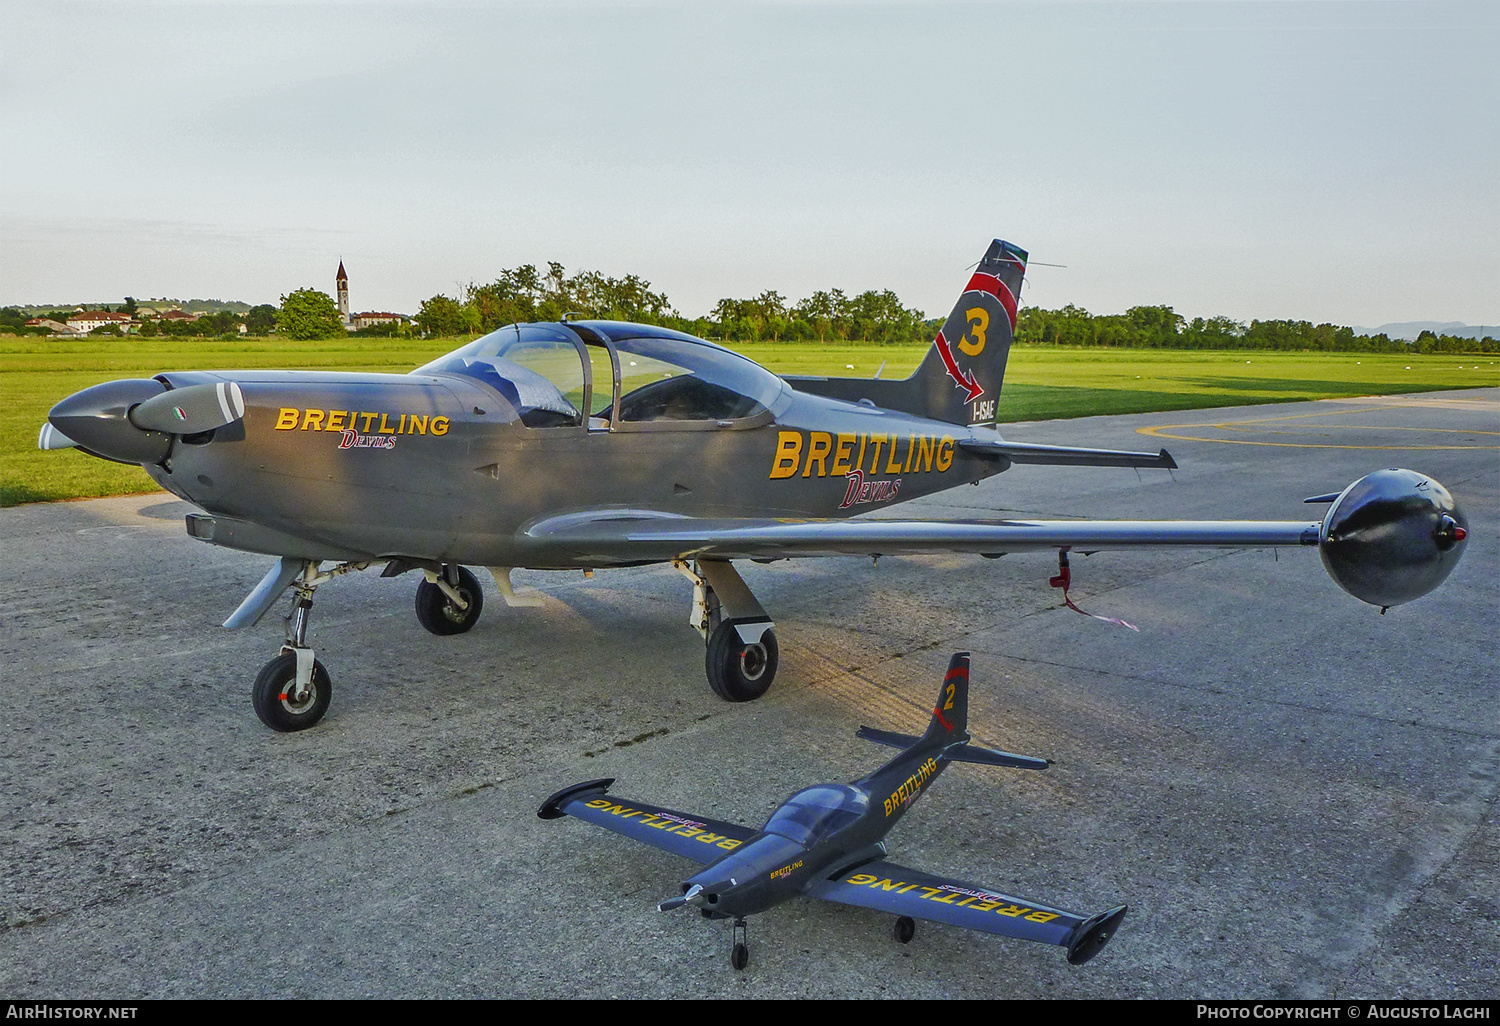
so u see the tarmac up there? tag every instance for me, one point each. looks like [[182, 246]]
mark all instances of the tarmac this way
[[1296, 795]]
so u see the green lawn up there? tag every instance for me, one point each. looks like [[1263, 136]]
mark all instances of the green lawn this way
[[1041, 382]]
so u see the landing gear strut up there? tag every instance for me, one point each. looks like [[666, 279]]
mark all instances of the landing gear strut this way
[[742, 653]]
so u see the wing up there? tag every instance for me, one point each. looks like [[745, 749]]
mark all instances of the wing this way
[[610, 536], [694, 837], [891, 888]]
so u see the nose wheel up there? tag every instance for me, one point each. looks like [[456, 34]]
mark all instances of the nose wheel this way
[[739, 953]]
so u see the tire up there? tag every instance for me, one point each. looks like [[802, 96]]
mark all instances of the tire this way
[[440, 616], [736, 671], [270, 695], [739, 956], [906, 929]]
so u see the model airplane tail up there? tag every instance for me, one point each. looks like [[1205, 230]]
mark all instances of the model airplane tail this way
[[948, 731], [959, 379]]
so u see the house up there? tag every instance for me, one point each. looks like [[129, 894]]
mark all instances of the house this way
[[365, 320], [88, 320]]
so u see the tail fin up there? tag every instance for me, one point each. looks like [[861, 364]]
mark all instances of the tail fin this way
[[959, 379], [950, 716]]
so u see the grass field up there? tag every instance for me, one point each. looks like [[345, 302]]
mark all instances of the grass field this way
[[1041, 382]]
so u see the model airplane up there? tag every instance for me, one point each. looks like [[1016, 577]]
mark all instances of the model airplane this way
[[827, 841], [592, 444]]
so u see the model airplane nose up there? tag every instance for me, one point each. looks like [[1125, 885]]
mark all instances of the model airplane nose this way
[[133, 420]]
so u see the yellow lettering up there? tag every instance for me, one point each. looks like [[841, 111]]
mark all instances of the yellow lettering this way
[[887, 884], [600, 803], [368, 417], [862, 440], [385, 428], [1012, 911], [819, 445], [892, 466], [788, 454], [287, 419], [1042, 917], [842, 453], [860, 879], [879, 441], [985, 906], [926, 449], [402, 429], [688, 831], [945, 453], [416, 425], [726, 845], [335, 420], [440, 425], [911, 447], [312, 419]]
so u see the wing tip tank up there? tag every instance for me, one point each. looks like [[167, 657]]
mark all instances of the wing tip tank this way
[[1093, 933], [552, 808]]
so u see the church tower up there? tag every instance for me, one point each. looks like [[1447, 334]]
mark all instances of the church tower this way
[[343, 284]]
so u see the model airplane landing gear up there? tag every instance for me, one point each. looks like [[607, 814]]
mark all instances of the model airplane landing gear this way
[[742, 654], [739, 954], [906, 929], [450, 602]]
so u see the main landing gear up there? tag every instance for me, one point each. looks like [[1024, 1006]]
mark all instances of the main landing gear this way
[[742, 654]]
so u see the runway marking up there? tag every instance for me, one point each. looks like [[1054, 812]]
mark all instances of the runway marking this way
[[1167, 430]]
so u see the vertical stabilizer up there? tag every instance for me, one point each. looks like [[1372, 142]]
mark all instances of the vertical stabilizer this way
[[960, 377], [950, 716]]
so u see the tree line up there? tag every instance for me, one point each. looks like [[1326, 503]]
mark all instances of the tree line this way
[[1160, 327], [526, 293]]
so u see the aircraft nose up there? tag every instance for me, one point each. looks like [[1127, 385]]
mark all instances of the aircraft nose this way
[[97, 419]]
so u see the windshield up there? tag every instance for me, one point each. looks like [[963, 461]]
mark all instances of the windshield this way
[[538, 368], [810, 816]]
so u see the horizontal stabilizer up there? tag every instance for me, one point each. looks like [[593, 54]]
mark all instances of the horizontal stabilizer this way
[[1065, 456], [957, 753]]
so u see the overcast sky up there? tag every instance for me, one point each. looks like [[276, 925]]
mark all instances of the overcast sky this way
[[1333, 161]]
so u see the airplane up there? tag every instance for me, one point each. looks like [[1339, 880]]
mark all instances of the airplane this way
[[587, 444], [828, 841]]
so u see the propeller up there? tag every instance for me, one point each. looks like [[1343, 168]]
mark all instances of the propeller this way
[[191, 410], [694, 897]]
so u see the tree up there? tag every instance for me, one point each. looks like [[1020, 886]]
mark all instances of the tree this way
[[261, 320], [441, 315], [309, 314]]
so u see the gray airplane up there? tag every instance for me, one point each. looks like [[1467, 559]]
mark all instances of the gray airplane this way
[[594, 444], [828, 841]]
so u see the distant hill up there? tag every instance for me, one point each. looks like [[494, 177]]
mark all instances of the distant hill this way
[[1409, 330], [190, 305]]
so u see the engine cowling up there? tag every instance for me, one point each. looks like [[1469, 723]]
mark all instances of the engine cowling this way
[[1392, 536]]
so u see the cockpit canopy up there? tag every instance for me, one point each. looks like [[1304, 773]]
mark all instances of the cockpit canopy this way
[[812, 814], [609, 374]]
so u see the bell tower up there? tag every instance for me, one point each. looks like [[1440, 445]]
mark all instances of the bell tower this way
[[343, 288]]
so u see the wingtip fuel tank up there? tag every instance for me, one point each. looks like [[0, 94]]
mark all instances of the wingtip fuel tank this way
[[1392, 536]]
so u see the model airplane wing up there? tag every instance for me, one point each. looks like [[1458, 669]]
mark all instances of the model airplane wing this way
[[610, 536], [694, 837], [891, 888]]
